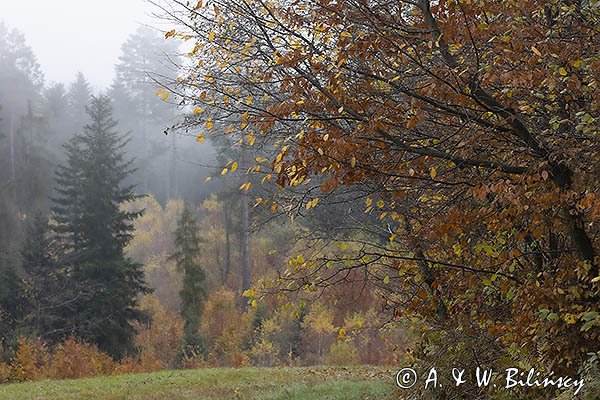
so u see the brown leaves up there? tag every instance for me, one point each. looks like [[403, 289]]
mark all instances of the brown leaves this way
[[358, 105]]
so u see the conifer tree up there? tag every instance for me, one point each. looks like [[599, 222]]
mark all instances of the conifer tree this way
[[46, 294], [78, 98], [95, 229], [193, 293]]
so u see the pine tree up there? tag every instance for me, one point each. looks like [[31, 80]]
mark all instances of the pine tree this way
[[95, 230], [194, 292]]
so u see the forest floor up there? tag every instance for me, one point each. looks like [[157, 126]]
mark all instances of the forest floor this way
[[332, 383]]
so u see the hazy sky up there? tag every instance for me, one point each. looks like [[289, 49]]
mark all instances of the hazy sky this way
[[77, 35]]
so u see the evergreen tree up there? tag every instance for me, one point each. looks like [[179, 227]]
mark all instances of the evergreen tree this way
[[194, 292], [78, 98], [46, 292], [9, 292], [95, 230], [56, 105], [22, 153]]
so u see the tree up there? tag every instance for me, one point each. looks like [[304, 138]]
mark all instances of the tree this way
[[22, 188], [78, 98], [470, 127], [46, 295], [148, 61], [95, 229], [59, 117], [194, 292], [9, 294]]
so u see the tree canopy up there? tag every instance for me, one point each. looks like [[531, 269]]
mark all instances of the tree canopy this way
[[470, 127]]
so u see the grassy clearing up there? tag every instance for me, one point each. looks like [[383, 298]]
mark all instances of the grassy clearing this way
[[218, 384]]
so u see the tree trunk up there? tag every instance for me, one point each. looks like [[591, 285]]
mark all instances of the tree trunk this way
[[227, 243], [172, 184], [12, 148], [428, 275], [245, 231]]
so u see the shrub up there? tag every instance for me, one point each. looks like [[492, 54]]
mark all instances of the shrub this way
[[226, 330], [6, 375], [28, 361], [342, 353], [76, 359]]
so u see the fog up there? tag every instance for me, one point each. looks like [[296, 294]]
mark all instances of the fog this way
[[68, 36]]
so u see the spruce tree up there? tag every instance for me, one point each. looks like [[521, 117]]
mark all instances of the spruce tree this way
[[46, 292], [95, 229], [193, 293]]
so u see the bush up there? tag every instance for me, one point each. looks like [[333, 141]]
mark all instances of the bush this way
[[5, 373], [226, 330], [75, 359], [27, 363], [342, 353]]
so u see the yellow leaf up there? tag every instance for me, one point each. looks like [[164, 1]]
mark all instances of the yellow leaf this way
[[199, 5], [261, 159], [326, 137], [211, 36], [165, 96], [433, 173], [353, 161], [234, 166], [224, 171], [207, 179], [209, 124], [386, 280], [200, 138], [562, 71], [536, 51], [320, 150], [570, 318], [249, 101]]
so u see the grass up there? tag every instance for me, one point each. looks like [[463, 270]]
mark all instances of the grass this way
[[330, 383]]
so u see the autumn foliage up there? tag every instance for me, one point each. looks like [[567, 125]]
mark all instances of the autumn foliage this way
[[469, 129]]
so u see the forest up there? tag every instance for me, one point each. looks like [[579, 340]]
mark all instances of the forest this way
[[308, 183]]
